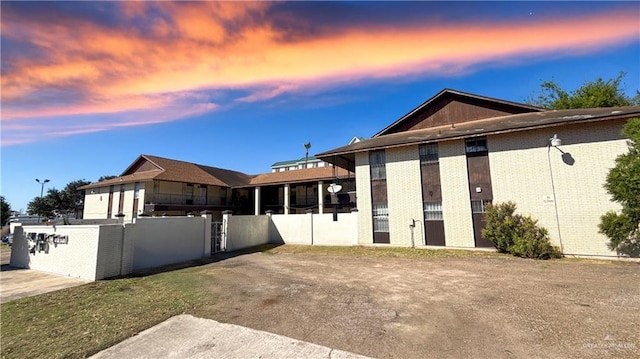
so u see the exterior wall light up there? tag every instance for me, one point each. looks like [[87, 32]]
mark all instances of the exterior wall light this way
[[555, 141]]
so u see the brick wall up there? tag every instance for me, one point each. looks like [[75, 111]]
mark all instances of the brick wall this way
[[520, 173], [456, 203], [404, 191], [363, 185]]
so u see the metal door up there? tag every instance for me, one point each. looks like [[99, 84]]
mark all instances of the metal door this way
[[216, 237]]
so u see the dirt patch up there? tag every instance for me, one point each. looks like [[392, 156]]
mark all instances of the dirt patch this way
[[499, 307]]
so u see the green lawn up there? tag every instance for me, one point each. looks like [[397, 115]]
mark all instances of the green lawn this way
[[80, 321]]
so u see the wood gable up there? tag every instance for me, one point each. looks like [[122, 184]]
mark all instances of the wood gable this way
[[141, 164], [452, 107]]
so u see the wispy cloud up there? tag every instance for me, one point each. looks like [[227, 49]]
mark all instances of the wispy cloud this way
[[137, 63]]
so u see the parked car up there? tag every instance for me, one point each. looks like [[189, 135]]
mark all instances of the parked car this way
[[8, 239]]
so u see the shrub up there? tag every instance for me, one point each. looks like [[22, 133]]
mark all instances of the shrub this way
[[623, 184], [516, 234]]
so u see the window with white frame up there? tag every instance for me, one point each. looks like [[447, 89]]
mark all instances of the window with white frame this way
[[380, 218], [433, 211], [479, 206]]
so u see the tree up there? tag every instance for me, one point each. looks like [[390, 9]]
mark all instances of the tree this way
[[5, 208], [623, 184], [598, 93], [67, 202], [43, 206], [104, 178], [72, 199]]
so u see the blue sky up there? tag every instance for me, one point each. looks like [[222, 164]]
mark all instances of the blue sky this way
[[89, 86]]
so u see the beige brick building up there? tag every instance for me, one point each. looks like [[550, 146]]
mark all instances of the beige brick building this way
[[427, 177]]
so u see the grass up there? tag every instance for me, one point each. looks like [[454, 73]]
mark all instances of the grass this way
[[369, 251], [80, 321], [4, 248]]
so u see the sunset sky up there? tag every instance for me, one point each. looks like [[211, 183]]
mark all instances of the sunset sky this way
[[89, 86]]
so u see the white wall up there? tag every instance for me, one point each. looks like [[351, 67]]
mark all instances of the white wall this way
[[291, 228], [245, 231], [520, 173], [363, 185], [456, 202], [101, 251], [343, 232], [78, 258], [307, 229], [162, 241], [404, 193], [95, 204]]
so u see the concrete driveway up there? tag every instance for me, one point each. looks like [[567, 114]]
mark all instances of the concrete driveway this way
[[16, 283]]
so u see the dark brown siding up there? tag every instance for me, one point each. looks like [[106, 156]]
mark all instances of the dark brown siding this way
[[431, 183], [143, 166], [379, 191], [479, 176], [110, 203], [434, 232], [480, 190], [121, 202], [449, 111], [431, 192]]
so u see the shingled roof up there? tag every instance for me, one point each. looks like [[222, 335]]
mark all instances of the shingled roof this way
[[345, 156], [298, 176], [147, 167]]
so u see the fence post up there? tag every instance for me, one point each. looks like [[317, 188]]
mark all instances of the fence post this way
[[310, 216], [207, 233], [354, 213], [224, 236]]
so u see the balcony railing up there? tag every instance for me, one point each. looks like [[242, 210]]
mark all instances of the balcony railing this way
[[181, 199]]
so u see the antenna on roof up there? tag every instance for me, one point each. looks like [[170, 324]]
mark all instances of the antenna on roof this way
[[307, 146]]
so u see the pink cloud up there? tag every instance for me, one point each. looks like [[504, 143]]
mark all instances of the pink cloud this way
[[125, 70]]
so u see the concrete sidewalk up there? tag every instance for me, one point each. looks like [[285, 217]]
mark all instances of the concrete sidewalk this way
[[185, 336], [16, 283]]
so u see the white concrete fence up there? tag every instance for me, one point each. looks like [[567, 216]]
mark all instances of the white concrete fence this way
[[98, 251], [308, 229]]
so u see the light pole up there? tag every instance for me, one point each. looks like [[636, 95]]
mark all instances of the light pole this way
[[41, 192]]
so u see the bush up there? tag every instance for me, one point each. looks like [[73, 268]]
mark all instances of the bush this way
[[516, 234]]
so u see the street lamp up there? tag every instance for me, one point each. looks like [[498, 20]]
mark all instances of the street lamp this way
[[554, 142], [41, 192]]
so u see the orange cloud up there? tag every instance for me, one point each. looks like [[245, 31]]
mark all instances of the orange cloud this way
[[193, 48]]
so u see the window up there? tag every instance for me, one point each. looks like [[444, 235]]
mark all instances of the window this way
[[377, 164], [380, 218], [475, 145], [479, 206], [433, 211], [136, 190], [428, 153]]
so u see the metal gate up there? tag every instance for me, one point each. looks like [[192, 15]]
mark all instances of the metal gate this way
[[216, 237]]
